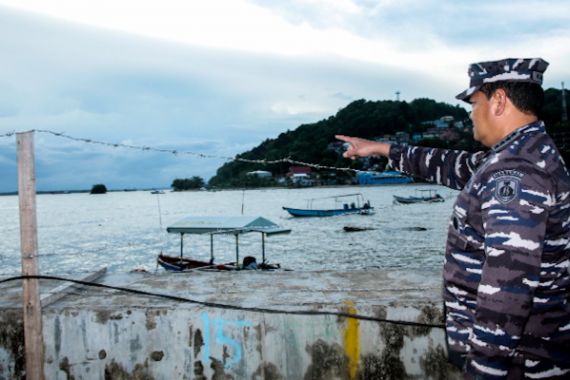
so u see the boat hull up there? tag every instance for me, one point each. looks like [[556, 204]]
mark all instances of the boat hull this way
[[298, 212], [181, 264]]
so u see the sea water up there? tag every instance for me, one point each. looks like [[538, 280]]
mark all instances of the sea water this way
[[124, 231]]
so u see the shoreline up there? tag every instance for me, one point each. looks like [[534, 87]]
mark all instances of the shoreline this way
[[57, 192]]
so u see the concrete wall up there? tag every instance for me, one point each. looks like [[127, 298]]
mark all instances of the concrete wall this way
[[139, 340]]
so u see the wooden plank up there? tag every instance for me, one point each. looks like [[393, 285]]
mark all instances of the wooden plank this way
[[33, 336], [62, 290]]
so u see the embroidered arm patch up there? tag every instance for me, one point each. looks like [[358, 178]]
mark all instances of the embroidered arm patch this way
[[507, 185]]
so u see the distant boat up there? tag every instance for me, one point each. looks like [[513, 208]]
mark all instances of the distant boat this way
[[351, 204], [234, 225], [157, 192], [382, 178], [423, 196], [357, 228]]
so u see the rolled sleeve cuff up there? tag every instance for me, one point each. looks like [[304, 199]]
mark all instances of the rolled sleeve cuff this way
[[395, 155]]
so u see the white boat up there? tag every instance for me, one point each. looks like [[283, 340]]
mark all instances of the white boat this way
[[423, 196]]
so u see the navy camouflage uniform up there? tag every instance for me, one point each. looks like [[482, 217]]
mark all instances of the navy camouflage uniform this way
[[506, 272], [506, 281]]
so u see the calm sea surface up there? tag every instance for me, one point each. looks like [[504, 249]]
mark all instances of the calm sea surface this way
[[126, 230]]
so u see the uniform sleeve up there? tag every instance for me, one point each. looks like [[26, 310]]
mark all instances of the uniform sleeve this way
[[515, 203], [451, 168]]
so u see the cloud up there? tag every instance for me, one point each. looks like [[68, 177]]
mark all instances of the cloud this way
[[185, 76]]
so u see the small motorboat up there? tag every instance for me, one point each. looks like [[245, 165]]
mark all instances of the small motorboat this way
[[423, 196], [345, 204], [235, 225], [181, 264]]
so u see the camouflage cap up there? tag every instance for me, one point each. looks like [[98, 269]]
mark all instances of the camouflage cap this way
[[509, 69]]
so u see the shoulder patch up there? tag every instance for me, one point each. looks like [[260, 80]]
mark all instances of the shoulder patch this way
[[507, 185]]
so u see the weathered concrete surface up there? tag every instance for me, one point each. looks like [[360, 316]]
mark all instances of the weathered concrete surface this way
[[95, 333]]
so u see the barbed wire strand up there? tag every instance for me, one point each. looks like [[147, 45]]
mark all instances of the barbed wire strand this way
[[227, 306], [286, 160], [9, 134], [563, 138]]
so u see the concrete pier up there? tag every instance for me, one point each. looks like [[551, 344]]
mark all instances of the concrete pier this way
[[95, 333]]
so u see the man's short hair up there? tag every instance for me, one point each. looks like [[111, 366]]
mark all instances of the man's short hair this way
[[527, 97]]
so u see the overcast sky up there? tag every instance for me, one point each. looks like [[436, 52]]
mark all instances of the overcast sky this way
[[220, 76]]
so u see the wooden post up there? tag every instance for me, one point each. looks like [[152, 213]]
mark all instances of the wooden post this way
[[237, 250], [263, 247], [33, 336]]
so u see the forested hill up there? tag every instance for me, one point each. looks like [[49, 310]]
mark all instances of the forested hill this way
[[362, 118]]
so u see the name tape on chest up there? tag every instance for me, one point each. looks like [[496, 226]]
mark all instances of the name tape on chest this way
[[507, 185]]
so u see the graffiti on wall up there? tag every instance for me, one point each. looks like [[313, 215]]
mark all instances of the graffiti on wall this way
[[221, 332]]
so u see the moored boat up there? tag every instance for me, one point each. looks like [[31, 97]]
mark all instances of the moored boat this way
[[235, 225], [299, 212], [351, 204], [181, 264], [382, 178], [424, 196]]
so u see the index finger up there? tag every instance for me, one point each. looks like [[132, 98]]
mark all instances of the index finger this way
[[343, 138]]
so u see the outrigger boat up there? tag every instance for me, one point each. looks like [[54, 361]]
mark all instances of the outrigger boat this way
[[235, 225], [351, 204], [424, 196]]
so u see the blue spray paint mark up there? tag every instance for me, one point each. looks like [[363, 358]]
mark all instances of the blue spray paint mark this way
[[219, 326], [222, 339]]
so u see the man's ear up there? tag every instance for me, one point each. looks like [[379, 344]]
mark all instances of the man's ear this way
[[499, 102]]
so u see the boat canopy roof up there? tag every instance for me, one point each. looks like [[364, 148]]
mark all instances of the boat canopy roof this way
[[225, 224]]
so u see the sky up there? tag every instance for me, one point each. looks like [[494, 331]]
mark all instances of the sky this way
[[218, 77]]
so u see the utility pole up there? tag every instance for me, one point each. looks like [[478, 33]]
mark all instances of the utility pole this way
[[564, 109], [33, 335]]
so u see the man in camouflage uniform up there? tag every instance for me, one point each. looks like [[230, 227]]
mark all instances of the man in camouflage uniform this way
[[506, 271]]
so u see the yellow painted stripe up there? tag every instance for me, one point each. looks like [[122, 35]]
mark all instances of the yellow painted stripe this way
[[352, 341]]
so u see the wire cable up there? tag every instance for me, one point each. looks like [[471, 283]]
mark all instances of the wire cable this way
[[226, 306], [9, 134], [287, 160]]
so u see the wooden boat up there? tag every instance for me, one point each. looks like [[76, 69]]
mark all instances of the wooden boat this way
[[424, 196], [235, 225], [351, 204], [181, 264]]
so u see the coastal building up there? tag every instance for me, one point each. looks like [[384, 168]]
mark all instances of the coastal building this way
[[301, 176]]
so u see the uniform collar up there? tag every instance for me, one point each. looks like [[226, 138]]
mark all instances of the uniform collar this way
[[537, 126]]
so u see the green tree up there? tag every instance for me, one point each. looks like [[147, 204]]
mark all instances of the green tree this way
[[181, 184], [310, 142], [98, 189], [370, 119]]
